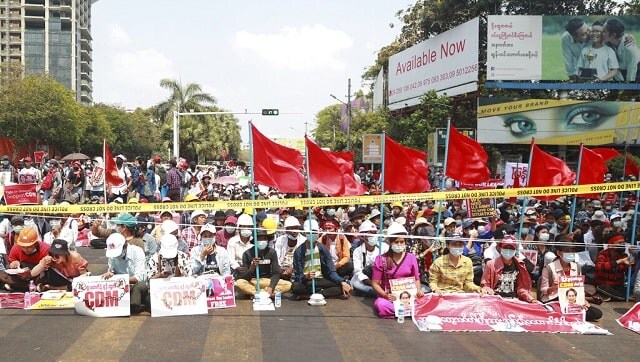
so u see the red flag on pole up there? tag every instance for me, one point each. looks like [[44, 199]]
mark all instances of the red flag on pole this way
[[111, 176], [276, 165], [351, 186], [405, 169], [546, 170], [607, 154], [592, 169], [631, 168], [467, 159], [324, 173]]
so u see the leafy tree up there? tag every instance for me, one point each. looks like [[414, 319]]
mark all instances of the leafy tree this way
[[190, 98], [96, 131], [39, 110]]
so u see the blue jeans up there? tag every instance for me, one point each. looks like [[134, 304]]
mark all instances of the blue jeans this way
[[361, 288]]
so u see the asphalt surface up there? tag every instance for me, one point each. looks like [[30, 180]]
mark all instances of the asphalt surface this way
[[343, 330]]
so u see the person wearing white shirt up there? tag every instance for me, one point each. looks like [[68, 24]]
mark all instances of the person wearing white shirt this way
[[364, 256], [239, 243], [286, 244]]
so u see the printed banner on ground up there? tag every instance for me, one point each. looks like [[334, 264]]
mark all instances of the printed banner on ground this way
[[97, 297], [23, 194], [474, 313], [631, 319], [220, 291], [178, 296]]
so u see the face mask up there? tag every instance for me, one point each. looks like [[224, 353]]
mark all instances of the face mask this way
[[544, 237], [473, 233], [617, 224], [507, 253], [262, 244], [17, 229], [230, 229], [208, 241], [352, 208], [569, 257], [456, 251], [398, 248], [331, 212], [292, 237], [312, 238], [5, 163], [458, 222], [481, 229], [245, 233], [372, 240]]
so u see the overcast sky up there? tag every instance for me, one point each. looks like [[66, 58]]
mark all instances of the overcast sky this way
[[248, 54]]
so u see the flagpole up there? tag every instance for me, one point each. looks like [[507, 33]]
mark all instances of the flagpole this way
[[306, 166], [633, 241], [382, 175], [444, 176], [624, 169], [573, 203], [526, 198], [253, 197], [104, 166]]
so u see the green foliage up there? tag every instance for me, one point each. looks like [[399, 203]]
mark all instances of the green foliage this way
[[616, 166], [39, 110]]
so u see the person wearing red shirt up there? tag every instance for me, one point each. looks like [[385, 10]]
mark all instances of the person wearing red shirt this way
[[611, 265], [25, 253]]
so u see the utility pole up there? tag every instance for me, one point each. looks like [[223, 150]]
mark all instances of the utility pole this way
[[349, 115]]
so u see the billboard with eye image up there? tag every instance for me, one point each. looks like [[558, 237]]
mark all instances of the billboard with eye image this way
[[557, 122]]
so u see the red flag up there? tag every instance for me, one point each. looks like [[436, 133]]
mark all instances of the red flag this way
[[468, 160], [607, 154], [324, 173], [276, 165], [405, 170], [592, 169], [351, 186], [631, 168], [111, 176], [546, 170], [516, 185]]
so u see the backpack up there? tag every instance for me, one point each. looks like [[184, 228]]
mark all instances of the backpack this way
[[47, 183]]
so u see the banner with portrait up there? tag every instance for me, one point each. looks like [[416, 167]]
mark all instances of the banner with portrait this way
[[220, 291], [557, 122]]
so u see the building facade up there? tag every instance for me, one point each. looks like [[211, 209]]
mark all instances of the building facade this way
[[50, 37]]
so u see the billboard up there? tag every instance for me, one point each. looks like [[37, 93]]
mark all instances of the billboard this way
[[441, 63], [372, 148], [577, 48], [557, 122]]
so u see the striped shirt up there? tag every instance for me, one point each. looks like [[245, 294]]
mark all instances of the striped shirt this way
[[443, 275], [317, 267]]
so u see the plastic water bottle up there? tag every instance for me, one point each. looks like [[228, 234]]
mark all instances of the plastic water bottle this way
[[256, 299], [401, 312], [27, 300], [32, 286], [278, 298]]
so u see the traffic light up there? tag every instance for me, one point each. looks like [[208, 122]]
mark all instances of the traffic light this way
[[270, 112]]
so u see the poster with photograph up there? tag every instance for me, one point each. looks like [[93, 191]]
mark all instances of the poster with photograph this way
[[404, 289], [571, 294]]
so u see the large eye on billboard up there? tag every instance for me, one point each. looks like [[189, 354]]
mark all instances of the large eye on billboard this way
[[557, 122], [577, 48]]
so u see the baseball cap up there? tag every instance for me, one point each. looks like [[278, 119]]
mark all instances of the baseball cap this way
[[291, 221], [125, 219], [59, 247], [115, 243], [467, 224], [448, 221], [27, 237], [508, 242], [169, 246], [207, 227], [245, 220], [420, 221], [168, 226], [615, 216], [231, 220]]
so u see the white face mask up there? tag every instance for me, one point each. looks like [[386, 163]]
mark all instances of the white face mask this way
[[481, 229], [245, 233], [544, 237], [262, 244], [208, 241], [398, 248], [473, 232], [373, 240], [230, 229], [456, 251], [617, 223]]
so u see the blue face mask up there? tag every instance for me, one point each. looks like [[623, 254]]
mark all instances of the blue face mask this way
[[507, 253], [312, 237], [456, 251], [569, 257]]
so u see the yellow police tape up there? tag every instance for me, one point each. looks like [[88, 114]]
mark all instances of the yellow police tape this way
[[325, 201]]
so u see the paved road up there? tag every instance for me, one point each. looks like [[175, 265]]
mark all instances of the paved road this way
[[342, 330]]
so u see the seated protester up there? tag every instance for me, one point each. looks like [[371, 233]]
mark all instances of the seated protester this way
[[286, 244], [453, 272], [54, 233], [611, 265], [423, 248], [473, 248], [57, 270], [545, 255], [157, 230], [320, 268], [169, 261], [170, 227], [69, 230], [240, 243], [26, 253], [507, 276], [209, 258], [189, 234], [227, 232], [565, 265], [125, 224], [363, 258], [394, 264], [265, 265], [149, 242], [338, 246], [125, 258]]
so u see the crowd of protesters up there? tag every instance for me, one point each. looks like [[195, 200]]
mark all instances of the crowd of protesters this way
[[356, 248]]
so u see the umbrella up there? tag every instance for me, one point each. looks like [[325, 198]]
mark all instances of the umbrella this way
[[225, 180], [75, 156]]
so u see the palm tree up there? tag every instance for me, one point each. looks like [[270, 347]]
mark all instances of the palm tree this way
[[188, 99]]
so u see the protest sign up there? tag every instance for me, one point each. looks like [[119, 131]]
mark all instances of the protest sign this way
[[571, 294], [470, 312], [481, 207], [177, 296], [220, 291], [631, 319], [38, 155], [97, 176], [37, 301], [404, 289], [97, 297], [20, 194]]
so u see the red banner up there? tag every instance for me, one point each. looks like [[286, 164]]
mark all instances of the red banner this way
[[475, 313], [631, 319], [37, 156], [20, 194]]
